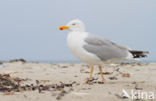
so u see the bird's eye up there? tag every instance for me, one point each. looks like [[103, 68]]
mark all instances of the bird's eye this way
[[73, 24]]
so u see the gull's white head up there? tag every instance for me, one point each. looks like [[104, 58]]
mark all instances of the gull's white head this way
[[74, 25]]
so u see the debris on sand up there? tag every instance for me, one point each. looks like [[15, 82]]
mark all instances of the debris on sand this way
[[61, 94], [113, 78], [8, 84], [126, 75], [106, 73]]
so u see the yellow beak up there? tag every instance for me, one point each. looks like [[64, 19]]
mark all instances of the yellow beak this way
[[63, 27]]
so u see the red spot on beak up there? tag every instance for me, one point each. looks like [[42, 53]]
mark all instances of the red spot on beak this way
[[61, 28]]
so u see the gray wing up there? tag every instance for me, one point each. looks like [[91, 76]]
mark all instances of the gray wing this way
[[104, 49]]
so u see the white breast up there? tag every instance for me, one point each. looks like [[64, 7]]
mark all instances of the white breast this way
[[75, 41]]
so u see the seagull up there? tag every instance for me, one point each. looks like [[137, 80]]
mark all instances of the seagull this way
[[95, 50]]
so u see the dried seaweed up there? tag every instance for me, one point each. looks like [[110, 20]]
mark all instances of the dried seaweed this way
[[126, 75], [106, 73], [8, 84], [113, 78]]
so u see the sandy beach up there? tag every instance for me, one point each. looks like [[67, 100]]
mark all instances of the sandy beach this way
[[65, 82]]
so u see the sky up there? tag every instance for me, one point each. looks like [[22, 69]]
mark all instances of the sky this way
[[29, 28]]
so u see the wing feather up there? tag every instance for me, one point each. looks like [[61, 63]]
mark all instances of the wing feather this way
[[104, 48]]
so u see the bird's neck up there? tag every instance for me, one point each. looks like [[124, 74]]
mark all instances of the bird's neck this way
[[77, 32]]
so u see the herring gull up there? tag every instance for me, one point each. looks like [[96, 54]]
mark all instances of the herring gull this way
[[95, 50]]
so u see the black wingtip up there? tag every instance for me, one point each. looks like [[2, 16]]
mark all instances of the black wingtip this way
[[139, 54]]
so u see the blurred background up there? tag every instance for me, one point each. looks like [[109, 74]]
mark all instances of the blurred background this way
[[29, 28]]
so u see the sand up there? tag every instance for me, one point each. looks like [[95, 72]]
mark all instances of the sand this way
[[130, 77]]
